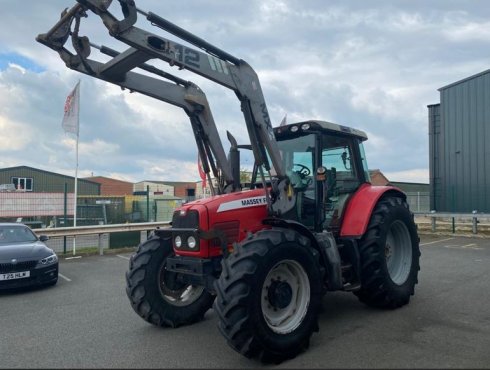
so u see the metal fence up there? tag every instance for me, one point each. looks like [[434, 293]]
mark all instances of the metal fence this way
[[82, 243], [418, 201], [56, 209]]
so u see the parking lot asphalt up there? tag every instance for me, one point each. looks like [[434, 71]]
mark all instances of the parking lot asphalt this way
[[86, 322]]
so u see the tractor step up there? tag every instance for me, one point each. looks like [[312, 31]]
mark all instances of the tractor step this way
[[351, 285]]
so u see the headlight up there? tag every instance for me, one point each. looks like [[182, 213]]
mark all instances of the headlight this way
[[48, 260], [178, 241], [191, 242]]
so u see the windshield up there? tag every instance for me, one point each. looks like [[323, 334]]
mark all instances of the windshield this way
[[16, 234], [297, 154]]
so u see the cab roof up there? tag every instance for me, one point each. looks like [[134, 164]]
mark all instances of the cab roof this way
[[323, 125]]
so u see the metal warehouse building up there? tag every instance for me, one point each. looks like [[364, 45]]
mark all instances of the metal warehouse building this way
[[34, 180], [459, 146]]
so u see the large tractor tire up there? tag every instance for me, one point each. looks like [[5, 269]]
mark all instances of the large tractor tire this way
[[269, 294], [156, 294], [390, 253]]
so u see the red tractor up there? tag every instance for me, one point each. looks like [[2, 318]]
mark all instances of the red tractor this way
[[310, 223]]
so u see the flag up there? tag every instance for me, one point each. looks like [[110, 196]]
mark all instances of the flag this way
[[70, 119], [202, 175], [283, 122]]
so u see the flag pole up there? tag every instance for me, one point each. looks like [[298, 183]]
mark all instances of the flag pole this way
[[71, 125], [76, 195], [76, 171]]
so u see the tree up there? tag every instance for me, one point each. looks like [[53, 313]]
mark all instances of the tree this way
[[245, 176]]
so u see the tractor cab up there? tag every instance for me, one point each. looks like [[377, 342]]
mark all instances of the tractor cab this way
[[326, 165]]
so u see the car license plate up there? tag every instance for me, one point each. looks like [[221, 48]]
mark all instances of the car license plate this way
[[15, 275]]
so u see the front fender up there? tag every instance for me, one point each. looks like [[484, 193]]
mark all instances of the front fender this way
[[360, 207]]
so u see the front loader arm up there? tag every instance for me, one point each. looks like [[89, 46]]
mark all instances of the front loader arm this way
[[213, 64], [181, 93]]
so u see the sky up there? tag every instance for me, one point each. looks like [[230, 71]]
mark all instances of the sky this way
[[371, 65]]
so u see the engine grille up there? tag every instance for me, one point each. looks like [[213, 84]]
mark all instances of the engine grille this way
[[189, 220], [19, 266], [231, 230]]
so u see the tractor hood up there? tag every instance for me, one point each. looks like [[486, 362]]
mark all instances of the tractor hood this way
[[225, 203], [236, 214]]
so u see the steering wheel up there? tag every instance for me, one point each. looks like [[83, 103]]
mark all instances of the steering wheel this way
[[303, 171]]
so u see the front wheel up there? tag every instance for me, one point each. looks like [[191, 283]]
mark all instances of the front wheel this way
[[158, 295], [390, 253], [268, 295]]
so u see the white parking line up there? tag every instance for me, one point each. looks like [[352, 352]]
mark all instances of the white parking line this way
[[467, 246], [124, 257], [63, 277], [437, 241], [471, 246], [452, 246]]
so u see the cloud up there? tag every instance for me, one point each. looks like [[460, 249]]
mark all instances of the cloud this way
[[420, 175], [8, 142]]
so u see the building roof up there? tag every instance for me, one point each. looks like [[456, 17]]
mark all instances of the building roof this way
[[377, 177], [465, 79], [152, 181], [96, 178], [47, 172], [411, 186]]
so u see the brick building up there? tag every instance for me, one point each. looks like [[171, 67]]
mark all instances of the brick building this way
[[183, 190], [110, 186], [377, 178]]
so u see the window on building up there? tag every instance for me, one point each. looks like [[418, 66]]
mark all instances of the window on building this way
[[22, 183]]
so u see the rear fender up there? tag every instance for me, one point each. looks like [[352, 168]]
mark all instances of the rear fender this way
[[360, 207]]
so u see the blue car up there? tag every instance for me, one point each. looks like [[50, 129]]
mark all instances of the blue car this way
[[24, 258]]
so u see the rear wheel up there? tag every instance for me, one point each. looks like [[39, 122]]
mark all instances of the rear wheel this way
[[158, 295], [268, 295], [390, 256]]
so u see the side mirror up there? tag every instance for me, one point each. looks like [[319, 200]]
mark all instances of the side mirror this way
[[43, 238]]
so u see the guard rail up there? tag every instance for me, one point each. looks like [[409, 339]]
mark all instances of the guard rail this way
[[473, 216], [99, 230]]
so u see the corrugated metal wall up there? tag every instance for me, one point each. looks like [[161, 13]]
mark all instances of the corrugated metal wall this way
[[48, 182], [460, 146], [436, 157]]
